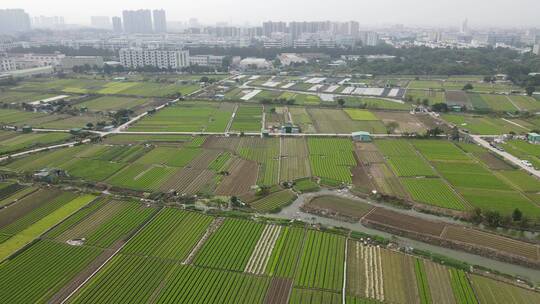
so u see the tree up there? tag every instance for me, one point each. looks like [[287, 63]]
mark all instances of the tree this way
[[90, 125], [434, 132], [341, 102], [391, 127], [517, 215], [488, 78], [439, 107], [530, 90], [204, 79], [468, 87], [493, 218]]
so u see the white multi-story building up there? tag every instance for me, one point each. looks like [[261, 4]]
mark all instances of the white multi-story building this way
[[6, 63], [133, 58], [206, 60], [536, 49]]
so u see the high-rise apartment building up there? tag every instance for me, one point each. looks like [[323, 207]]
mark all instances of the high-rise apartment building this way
[[117, 24], [133, 58], [14, 21], [139, 21], [160, 21]]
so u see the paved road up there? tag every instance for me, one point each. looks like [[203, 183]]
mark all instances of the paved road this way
[[511, 158]]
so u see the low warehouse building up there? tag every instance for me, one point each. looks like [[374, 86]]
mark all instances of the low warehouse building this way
[[361, 136]]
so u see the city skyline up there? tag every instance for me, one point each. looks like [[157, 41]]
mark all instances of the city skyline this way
[[425, 13]]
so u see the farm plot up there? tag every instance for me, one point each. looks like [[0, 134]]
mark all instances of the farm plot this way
[[141, 177], [483, 125], [405, 121], [113, 221], [457, 98], [343, 207], [364, 271], [248, 118], [505, 202], [463, 291], [31, 209], [242, 176], [199, 285], [279, 291], [321, 262], [433, 191], [38, 272], [20, 97], [274, 201], [188, 117], [46, 159], [399, 283], [12, 192], [479, 238], [30, 227], [491, 291], [525, 103], [171, 235], [499, 103], [264, 151], [422, 282], [301, 117], [190, 181], [11, 141], [470, 175], [385, 217], [385, 181], [294, 159], [331, 158], [337, 121], [439, 150], [283, 261], [403, 159], [127, 139], [109, 103], [231, 246], [432, 96], [171, 157], [521, 180], [91, 169], [357, 114], [125, 279], [439, 281], [309, 296], [261, 254]]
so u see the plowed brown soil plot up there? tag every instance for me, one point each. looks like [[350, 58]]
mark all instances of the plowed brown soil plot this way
[[404, 222], [278, 292], [406, 121], [367, 153], [189, 180], [221, 143], [493, 162], [457, 98], [204, 159], [242, 175], [340, 206], [361, 179], [479, 238]]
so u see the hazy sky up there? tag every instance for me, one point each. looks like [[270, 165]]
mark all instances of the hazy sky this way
[[507, 13]]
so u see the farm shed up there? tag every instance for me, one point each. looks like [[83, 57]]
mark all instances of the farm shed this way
[[533, 138], [361, 136]]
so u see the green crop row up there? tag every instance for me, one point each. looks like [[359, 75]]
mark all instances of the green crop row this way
[[172, 235], [321, 264], [231, 246]]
